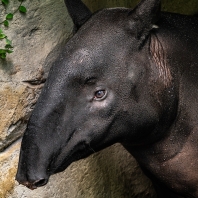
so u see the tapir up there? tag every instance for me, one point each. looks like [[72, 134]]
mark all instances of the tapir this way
[[127, 76]]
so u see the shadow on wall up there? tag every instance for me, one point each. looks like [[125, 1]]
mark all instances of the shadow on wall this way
[[6, 66], [115, 174], [189, 7]]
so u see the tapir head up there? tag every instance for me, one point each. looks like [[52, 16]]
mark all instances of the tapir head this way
[[100, 91]]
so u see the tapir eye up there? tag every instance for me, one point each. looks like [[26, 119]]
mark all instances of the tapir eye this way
[[100, 94]]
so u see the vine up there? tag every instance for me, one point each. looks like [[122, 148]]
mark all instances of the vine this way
[[8, 48]]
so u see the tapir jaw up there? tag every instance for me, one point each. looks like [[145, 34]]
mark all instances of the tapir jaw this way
[[33, 173], [64, 159]]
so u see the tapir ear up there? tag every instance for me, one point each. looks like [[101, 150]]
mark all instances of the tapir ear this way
[[78, 12], [144, 17]]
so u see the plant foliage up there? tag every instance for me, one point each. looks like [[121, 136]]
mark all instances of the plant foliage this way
[[5, 23]]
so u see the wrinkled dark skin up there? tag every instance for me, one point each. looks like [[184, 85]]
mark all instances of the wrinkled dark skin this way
[[127, 76]]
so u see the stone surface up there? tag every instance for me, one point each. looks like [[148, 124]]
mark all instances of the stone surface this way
[[8, 165], [34, 36], [37, 39]]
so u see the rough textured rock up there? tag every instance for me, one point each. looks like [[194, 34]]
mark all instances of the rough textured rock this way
[[8, 164], [34, 36], [42, 31]]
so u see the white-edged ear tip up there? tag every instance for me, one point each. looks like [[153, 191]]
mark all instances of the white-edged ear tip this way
[[155, 27]]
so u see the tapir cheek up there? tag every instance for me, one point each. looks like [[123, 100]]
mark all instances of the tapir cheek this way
[[104, 109]]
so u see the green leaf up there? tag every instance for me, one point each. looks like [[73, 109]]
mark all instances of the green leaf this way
[[9, 16], [5, 2], [3, 51], [6, 23], [9, 51], [8, 42], [22, 9], [2, 36], [1, 31], [3, 55], [8, 46]]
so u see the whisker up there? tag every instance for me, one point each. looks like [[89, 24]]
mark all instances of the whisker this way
[[91, 147]]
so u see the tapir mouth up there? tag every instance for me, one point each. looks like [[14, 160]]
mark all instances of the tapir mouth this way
[[63, 160]]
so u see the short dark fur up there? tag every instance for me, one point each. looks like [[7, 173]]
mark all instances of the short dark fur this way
[[128, 76]]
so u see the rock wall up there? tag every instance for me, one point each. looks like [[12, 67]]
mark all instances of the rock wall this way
[[45, 27]]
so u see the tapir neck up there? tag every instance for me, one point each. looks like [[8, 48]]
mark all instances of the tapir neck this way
[[167, 159]]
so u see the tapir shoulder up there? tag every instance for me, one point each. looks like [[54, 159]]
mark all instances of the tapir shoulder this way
[[178, 37]]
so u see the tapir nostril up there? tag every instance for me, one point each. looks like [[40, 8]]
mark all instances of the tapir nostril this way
[[34, 185], [40, 182]]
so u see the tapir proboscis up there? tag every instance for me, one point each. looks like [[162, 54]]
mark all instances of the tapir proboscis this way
[[127, 76]]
